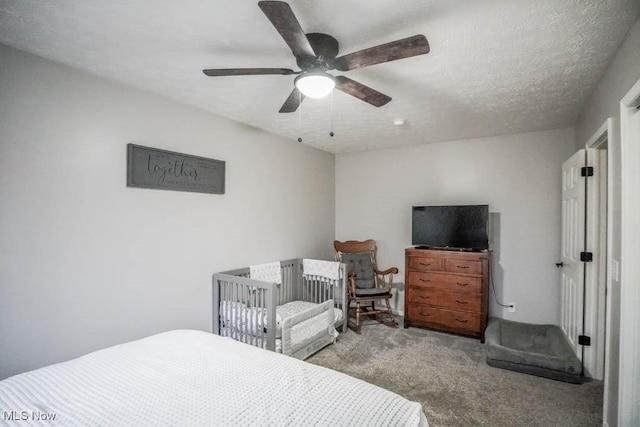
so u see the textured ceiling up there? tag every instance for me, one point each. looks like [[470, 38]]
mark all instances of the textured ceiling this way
[[495, 67]]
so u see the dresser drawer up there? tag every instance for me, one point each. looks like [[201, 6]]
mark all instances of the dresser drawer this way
[[420, 295], [449, 282], [426, 264], [444, 299], [445, 319], [463, 266]]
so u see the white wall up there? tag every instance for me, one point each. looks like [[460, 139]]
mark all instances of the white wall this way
[[517, 175], [622, 74], [86, 262]]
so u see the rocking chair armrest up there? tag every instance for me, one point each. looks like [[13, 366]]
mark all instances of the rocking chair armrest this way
[[389, 272], [392, 270], [352, 284]]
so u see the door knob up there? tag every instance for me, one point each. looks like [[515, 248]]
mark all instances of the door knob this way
[[559, 264]]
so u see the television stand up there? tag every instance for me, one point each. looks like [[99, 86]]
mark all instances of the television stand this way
[[447, 290]]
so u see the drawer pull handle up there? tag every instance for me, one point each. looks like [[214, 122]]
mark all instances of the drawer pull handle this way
[[423, 297], [425, 280], [426, 265], [462, 284], [462, 321], [462, 266], [462, 302], [424, 314]]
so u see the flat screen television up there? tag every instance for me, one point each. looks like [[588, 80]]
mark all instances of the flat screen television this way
[[451, 227]]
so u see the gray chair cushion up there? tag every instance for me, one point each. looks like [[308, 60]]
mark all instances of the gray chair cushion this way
[[371, 292], [360, 264]]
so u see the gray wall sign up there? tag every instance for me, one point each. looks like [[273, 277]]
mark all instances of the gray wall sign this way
[[165, 170]]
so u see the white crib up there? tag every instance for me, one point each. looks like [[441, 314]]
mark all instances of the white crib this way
[[297, 317]]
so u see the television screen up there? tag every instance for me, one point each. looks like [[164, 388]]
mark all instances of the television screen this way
[[455, 227]]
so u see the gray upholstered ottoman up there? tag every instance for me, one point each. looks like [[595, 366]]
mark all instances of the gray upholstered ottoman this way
[[540, 350]]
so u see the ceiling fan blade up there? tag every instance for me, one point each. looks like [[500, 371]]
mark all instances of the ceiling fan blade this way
[[282, 17], [293, 102], [216, 72], [399, 49], [362, 92]]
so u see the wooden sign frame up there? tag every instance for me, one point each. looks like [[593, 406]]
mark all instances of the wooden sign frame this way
[[167, 170]]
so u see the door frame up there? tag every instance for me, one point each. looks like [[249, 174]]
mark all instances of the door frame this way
[[629, 389]]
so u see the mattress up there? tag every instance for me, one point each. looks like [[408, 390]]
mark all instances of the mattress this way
[[254, 320], [188, 377], [302, 327]]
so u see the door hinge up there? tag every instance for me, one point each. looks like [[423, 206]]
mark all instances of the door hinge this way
[[586, 171], [586, 256], [584, 340]]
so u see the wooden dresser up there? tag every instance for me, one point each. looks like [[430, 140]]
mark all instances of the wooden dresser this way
[[447, 290]]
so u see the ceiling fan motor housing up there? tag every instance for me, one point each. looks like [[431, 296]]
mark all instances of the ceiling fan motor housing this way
[[326, 49]]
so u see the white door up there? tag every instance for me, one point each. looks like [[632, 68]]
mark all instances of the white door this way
[[582, 303], [573, 234]]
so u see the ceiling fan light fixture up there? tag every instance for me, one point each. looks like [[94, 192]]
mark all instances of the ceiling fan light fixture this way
[[315, 84]]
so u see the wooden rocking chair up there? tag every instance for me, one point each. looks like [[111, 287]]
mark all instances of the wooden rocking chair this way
[[367, 284]]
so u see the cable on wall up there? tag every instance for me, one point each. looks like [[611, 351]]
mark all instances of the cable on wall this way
[[493, 286]]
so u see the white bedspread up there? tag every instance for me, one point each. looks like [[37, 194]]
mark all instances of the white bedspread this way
[[191, 378]]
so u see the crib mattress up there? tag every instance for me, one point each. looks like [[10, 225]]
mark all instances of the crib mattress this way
[[254, 320], [303, 327], [290, 309]]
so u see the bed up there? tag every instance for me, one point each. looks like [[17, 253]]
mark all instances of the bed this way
[[187, 377], [294, 307]]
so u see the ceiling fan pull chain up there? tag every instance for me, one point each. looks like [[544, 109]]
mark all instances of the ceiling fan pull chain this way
[[331, 102], [300, 116]]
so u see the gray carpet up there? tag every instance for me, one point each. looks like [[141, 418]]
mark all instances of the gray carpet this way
[[448, 375]]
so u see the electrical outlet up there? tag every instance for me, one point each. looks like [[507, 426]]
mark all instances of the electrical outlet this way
[[512, 307]]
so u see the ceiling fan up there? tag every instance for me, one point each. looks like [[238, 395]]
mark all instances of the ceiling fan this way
[[316, 53]]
